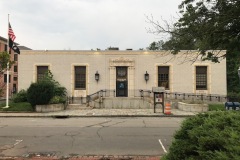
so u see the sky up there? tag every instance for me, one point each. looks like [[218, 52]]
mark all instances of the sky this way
[[84, 24]]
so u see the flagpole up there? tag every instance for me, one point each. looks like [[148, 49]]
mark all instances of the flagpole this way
[[7, 91]]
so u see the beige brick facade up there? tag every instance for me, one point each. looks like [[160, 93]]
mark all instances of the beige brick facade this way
[[182, 72]]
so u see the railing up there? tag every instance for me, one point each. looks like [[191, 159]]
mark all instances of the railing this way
[[145, 93], [101, 93], [189, 96], [195, 97], [149, 94]]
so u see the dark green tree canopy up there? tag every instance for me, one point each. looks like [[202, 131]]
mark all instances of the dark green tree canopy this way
[[204, 25]]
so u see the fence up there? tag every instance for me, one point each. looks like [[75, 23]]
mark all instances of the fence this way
[[148, 93]]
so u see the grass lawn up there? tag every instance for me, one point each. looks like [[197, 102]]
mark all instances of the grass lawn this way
[[18, 107], [216, 107]]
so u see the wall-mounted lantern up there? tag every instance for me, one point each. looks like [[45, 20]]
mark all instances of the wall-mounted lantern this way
[[146, 76], [97, 76]]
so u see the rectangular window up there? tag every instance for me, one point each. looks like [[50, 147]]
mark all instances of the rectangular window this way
[[15, 68], [15, 78], [80, 77], [163, 76], [15, 57], [5, 78], [41, 70], [201, 77], [14, 88], [5, 47]]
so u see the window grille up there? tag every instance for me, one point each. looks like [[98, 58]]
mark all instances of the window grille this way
[[41, 70], [163, 76], [201, 77], [80, 77]]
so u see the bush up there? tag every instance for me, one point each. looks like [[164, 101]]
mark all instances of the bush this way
[[21, 96], [57, 99], [40, 93], [233, 97], [58, 89], [210, 136]]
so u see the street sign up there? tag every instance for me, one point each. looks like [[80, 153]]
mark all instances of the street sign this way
[[158, 89]]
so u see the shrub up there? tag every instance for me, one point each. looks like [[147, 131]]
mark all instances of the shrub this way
[[57, 99], [58, 89], [210, 136], [40, 93], [21, 96], [46, 91]]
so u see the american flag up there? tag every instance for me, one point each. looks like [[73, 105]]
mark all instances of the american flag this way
[[11, 33]]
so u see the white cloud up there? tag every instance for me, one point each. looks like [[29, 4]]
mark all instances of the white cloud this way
[[83, 24]]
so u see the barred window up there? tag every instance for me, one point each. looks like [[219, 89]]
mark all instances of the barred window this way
[[41, 70], [163, 76], [201, 77], [80, 77]]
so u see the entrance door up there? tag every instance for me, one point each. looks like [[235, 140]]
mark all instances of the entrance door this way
[[121, 82]]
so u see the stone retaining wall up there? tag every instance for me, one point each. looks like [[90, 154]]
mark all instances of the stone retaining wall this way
[[49, 108], [192, 107], [122, 103]]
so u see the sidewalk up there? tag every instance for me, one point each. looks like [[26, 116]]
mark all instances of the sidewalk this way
[[101, 113]]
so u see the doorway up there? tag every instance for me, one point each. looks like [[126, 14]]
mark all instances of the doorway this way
[[121, 81]]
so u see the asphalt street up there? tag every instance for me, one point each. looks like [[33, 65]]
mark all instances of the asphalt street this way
[[142, 136]]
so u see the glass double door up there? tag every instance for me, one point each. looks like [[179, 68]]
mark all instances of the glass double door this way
[[121, 81]]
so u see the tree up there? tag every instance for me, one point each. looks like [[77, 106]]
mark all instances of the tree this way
[[206, 25], [45, 91], [4, 59], [156, 45]]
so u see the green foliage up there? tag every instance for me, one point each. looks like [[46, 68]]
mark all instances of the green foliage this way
[[4, 60], [207, 25], [58, 89], [204, 25], [156, 45], [16, 107], [40, 93], [21, 96], [233, 82], [57, 99], [46, 91], [216, 107], [234, 97], [210, 136]]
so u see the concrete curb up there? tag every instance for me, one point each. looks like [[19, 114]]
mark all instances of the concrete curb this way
[[88, 116]]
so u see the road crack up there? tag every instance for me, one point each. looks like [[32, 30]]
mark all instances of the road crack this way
[[144, 124]]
